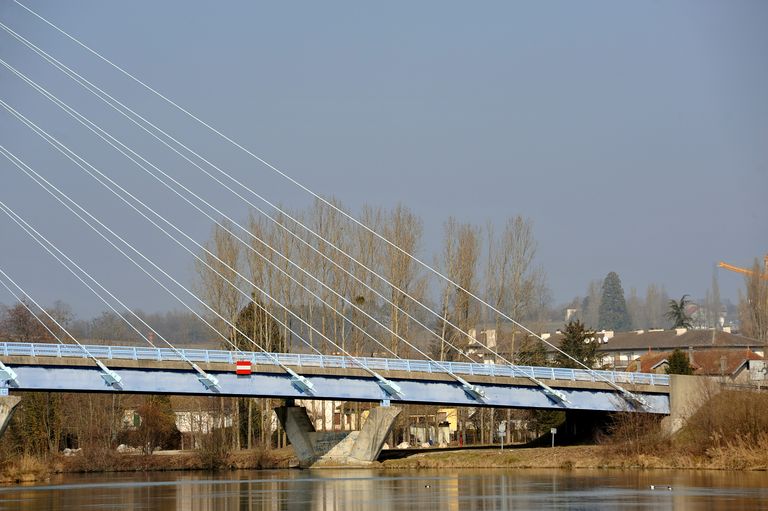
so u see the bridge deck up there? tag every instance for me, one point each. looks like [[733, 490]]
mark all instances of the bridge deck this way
[[302, 360], [66, 368]]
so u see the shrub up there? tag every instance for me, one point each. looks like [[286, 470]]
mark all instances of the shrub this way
[[679, 363], [214, 450], [26, 469], [632, 433], [728, 418]]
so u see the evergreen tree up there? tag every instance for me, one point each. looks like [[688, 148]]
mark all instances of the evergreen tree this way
[[613, 313], [531, 353], [577, 342], [679, 363]]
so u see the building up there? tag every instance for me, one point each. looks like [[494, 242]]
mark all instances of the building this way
[[741, 367], [193, 418], [616, 350], [435, 429], [333, 415]]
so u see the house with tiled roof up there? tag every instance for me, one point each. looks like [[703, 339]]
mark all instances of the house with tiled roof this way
[[618, 349], [734, 366]]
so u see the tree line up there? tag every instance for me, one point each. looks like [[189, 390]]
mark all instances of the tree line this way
[[282, 266], [496, 262]]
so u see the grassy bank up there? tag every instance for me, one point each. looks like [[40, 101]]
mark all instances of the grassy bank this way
[[32, 469], [600, 456], [176, 460], [728, 432], [25, 469]]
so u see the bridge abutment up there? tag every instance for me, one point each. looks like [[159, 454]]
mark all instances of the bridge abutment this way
[[336, 447], [686, 395]]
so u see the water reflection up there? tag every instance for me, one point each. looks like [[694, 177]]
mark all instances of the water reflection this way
[[448, 490]]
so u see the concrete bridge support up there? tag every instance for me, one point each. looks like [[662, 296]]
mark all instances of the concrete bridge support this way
[[687, 394], [7, 407], [336, 447]]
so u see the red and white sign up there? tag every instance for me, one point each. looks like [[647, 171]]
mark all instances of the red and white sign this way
[[243, 367]]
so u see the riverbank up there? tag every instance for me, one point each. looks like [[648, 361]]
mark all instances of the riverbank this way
[[30, 469], [589, 457], [178, 460]]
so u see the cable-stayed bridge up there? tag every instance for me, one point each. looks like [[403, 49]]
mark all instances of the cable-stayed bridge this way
[[162, 367], [56, 367]]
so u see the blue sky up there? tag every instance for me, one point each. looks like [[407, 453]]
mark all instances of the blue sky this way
[[633, 134]]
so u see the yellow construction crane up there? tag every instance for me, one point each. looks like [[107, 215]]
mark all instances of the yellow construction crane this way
[[730, 267]]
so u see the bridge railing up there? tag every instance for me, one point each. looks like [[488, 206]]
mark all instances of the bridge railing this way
[[328, 361]]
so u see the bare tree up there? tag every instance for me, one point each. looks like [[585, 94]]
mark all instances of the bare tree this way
[[404, 229], [460, 258], [39, 422], [221, 294], [19, 324], [58, 316], [218, 286], [256, 259], [447, 265], [365, 250], [158, 423], [513, 284], [591, 304], [753, 305], [714, 304], [656, 300], [636, 309], [327, 222]]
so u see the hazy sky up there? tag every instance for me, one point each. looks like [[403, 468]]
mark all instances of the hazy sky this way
[[634, 134]]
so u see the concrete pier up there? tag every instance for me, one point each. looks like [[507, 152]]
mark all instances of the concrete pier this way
[[336, 447], [7, 407]]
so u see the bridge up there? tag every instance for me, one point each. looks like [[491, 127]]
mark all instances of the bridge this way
[[37, 367], [71, 366], [65, 368]]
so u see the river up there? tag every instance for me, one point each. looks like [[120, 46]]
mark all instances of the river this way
[[330, 490]]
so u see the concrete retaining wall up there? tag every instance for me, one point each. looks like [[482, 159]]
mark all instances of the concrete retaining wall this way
[[687, 395]]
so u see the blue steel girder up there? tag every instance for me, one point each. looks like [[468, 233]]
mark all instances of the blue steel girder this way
[[348, 387]]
